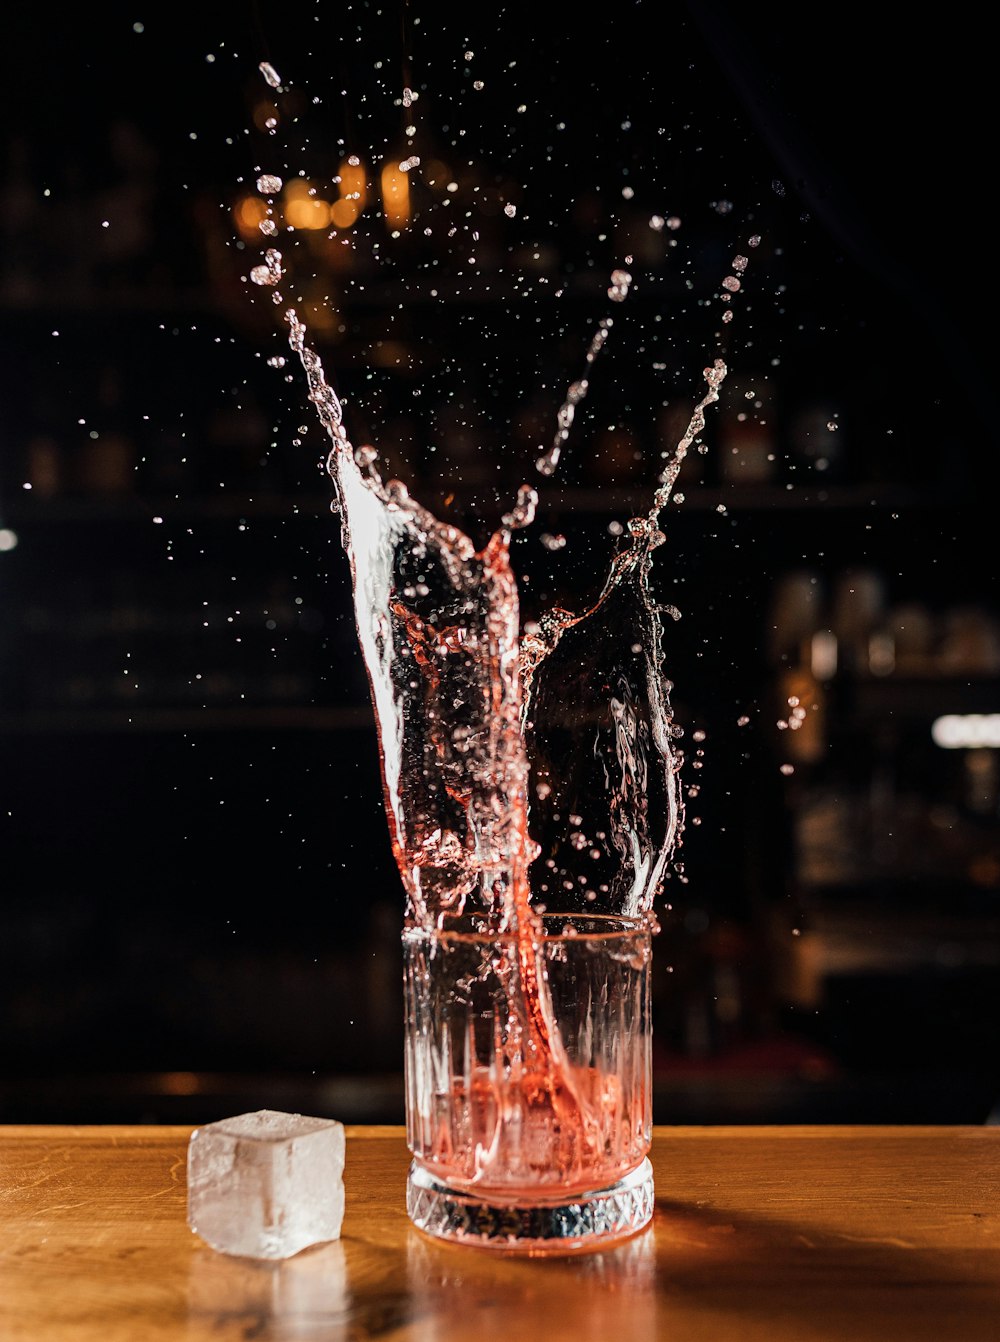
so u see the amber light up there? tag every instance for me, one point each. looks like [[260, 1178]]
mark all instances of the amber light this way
[[303, 208], [395, 195], [344, 212], [353, 193], [249, 212], [265, 116], [179, 1083]]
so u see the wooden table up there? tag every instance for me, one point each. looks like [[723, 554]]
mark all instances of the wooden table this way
[[783, 1234]]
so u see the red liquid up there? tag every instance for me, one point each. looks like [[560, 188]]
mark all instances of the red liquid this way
[[439, 627], [452, 686], [514, 1138]]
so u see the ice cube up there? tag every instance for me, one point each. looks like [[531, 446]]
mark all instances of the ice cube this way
[[266, 1184]]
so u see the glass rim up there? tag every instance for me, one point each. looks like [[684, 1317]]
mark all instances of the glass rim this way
[[598, 927]]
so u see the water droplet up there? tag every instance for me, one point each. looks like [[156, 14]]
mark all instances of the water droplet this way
[[270, 74], [523, 512], [620, 282], [270, 272], [268, 184], [546, 464]]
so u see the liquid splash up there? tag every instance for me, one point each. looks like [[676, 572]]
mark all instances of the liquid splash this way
[[456, 688], [461, 703], [491, 735]]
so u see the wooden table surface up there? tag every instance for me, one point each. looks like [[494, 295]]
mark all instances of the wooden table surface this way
[[785, 1234]]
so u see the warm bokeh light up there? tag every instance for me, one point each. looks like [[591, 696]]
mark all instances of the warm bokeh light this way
[[249, 212], [395, 195], [391, 354], [180, 1083], [303, 208], [354, 182], [266, 116], [344, 212], [307, 214], [323, 318]]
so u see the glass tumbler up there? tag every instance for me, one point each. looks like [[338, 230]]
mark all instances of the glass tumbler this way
[[528, 1082]]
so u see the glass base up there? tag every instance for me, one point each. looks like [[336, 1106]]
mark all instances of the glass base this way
[[593, 1219]]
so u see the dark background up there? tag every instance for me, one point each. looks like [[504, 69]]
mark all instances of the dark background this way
[[199, 911]]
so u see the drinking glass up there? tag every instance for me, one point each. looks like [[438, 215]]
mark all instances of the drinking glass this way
[[529, 1129]]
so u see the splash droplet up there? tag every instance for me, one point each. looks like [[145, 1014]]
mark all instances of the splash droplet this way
[[620, 282], [270, 272], [548, 461], [523, 512]]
